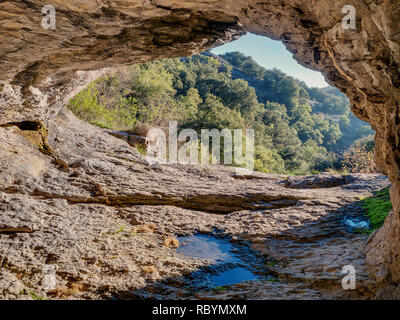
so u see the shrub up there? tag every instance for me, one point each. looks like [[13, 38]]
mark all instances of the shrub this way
[[88, 106], [377, 207], [358, 159]]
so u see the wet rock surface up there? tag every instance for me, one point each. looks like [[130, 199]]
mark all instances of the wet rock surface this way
[[106, 221]]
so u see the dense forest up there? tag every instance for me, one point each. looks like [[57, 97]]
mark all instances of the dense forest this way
[[298, 129]]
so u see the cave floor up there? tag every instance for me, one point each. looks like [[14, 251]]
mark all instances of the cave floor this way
[[107, 221]]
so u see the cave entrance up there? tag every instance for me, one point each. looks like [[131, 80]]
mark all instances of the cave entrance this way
[[298, 129], [301, 124]]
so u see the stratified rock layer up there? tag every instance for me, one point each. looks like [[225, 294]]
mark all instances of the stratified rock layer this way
[[102, 215], [39, 68]]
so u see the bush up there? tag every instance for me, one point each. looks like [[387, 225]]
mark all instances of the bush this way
[[87, 106], [359, 159]]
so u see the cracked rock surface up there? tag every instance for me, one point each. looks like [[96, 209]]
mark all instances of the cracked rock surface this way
[[103, 221]]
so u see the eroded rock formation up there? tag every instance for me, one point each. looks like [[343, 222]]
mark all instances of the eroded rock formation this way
[[40, 69], [104, 221]]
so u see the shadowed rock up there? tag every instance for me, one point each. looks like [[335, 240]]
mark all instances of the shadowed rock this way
[[318, 181]]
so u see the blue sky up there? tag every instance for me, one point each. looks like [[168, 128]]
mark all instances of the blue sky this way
[[272, 54]]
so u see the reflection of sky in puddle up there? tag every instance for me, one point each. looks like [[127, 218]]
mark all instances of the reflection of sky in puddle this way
[[218, 250], [206, 247], [233, 276], [357, 223]]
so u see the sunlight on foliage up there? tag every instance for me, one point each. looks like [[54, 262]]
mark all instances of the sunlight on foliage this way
[[89, 106]]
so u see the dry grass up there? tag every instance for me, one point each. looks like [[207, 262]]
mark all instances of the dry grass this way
[[140, 129], [144, 228], [359, 159], [149, 269], [71, 289], [171, 242]]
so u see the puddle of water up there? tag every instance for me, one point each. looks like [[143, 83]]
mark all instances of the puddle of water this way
[[229, 266], [206, 247], [356, 223], [233, 276]]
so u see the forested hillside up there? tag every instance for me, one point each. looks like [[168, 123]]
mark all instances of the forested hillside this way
[[297, 129], [274, 85]]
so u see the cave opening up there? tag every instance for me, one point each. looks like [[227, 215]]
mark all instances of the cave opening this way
[[237, 85], [303, 126], [356, 151]]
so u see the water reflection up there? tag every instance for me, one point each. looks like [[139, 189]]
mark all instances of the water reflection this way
[[220, 251]]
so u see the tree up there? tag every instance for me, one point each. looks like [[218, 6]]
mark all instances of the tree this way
[[212, 114]]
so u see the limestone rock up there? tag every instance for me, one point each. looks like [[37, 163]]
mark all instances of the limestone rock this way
[[317, 181], [41, 69], [108, 217], [10, 285]]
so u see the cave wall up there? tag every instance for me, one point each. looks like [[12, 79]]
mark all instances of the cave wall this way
[[41, 69]]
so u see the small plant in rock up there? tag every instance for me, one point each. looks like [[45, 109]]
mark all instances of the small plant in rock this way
[[119, 230], [272, 279], [271, 262], [144, 228], [142, 150], [376, 208], [149, 269], [171, 242], [35, 296]]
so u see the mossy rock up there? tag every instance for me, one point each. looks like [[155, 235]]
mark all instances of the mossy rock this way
[[376, 208], [33, 137]]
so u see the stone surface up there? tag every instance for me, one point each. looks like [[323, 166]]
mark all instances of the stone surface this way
[[41, 69], [320, 181], [107, 221], [134, 140], [10, 286]]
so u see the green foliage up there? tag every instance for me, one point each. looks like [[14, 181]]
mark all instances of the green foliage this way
[[330, 103], [377, 207], [88, 106], [268, 160], [221, 288], [141, 149], [213, 114], [297, 129], [35, 296], [121, 229], [244, 62]]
